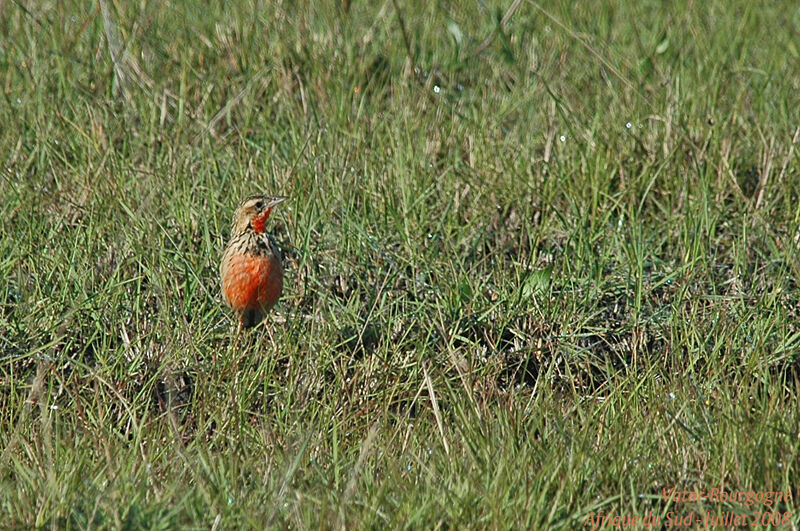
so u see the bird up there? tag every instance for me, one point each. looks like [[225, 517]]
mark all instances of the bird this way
[[252, 265]]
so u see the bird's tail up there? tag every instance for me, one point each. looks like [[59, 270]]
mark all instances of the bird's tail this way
[[251, 318]]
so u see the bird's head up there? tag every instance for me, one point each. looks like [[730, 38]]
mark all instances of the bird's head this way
[[253, 212]]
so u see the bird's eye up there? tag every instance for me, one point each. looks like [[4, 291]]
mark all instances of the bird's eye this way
[[260, 205]]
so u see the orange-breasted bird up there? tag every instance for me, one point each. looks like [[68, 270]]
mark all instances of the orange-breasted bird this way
[[252, 268]]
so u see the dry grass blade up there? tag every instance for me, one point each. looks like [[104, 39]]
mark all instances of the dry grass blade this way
[[350, 489], [115, 50], [437, 414]]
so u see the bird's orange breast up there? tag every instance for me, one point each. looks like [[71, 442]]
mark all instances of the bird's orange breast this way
[[252, 282]]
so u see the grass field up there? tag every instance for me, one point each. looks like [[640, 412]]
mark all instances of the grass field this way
[[542, 263]]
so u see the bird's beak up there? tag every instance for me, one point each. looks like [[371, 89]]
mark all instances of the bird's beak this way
[[276, 200]]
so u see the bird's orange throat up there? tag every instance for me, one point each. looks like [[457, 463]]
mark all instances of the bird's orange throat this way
[[260, 221]]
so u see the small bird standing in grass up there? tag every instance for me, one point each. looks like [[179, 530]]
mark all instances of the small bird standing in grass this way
[[252, 268]]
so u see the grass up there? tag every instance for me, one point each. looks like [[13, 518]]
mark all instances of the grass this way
[[542, 261]]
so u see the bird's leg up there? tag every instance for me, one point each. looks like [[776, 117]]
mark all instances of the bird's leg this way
[[269, 333], [238, 337], [237, 344], [270, 340]]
